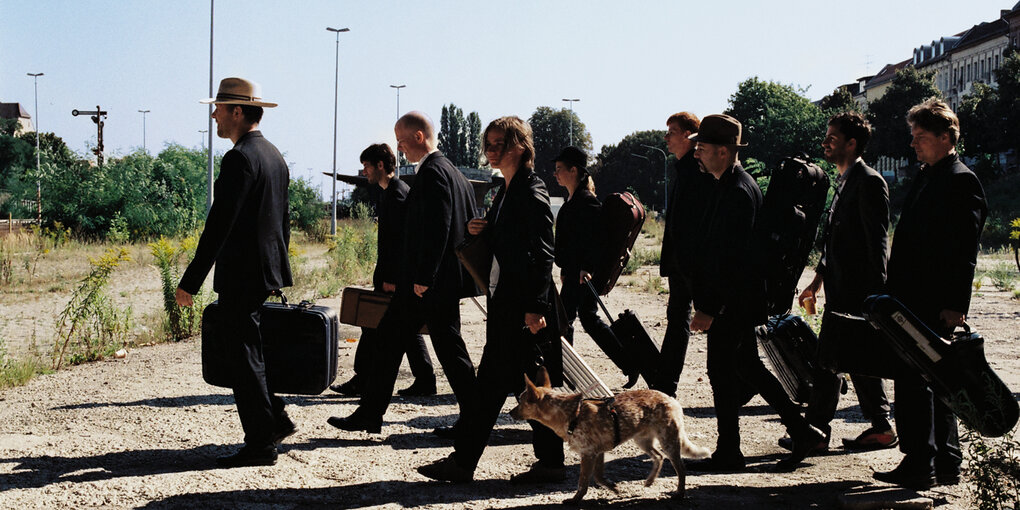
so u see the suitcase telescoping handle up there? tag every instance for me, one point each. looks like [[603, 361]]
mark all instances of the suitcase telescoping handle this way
[[599, 299]]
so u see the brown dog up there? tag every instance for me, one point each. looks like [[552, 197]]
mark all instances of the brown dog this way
[[593, 427]]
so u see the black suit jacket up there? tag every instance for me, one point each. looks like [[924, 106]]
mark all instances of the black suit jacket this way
[[935, 243], [580, 234], [687, 195], [726, 281], [247, 232], [392, 214], [855, 246], [439, 204], [519, 232]]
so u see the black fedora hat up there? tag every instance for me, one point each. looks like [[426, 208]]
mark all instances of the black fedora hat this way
[[719, 129], [573, 157]]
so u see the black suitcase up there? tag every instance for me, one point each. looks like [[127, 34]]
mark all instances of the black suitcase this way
[[634, 352], [299, 345], [956, 369], [790, 346]]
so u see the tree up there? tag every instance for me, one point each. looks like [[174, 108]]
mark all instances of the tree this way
[[981, 119], [551, 129], [1008, 78], [474, 140], [460, 138], [888, 114], [841, 100], [778, 121], [616, 169]]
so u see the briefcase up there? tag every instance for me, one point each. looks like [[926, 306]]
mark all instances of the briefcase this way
[[299, 345], [474, 254], [955, 368], [365, 308], [790, 346], [622, 217], [634, 352], [579, 376]]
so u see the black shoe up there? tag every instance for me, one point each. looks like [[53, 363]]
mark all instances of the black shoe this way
[[540, 473], [355, 423], [419, 389], [820, 449], [284, 429], [718, 464], [351, 388], [920, 481], [947, 478], [806, 442], [872, 439], [249, 456], [632, 379], [446, 432], [447, 470]]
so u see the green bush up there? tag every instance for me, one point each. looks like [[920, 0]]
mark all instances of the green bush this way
[[306, 208], [993, 467], [180, 321]]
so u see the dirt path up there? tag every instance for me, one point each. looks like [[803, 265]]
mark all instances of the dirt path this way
[[144, 432]]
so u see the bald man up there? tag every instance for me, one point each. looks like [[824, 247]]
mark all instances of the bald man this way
[[439, 204]]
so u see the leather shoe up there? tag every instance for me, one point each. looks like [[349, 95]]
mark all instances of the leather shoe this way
[[351, 388], [249, 456], [912, 480], [947, 478], [419, 389], [720, 464], [872, 439], [446, 432], [540, 473], [804, 443], [356, 423], [285, 429], [447, 470]]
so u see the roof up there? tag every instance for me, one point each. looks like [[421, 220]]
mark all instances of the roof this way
[[13, 111], [887, 73], [983, 32]]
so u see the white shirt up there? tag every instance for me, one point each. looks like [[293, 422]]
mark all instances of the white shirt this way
[[423, 158]]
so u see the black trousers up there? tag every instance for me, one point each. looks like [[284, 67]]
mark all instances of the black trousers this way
[[734, 366], [929, 437], [678, 334], [417, 355], [258, 408], [402, 320], [579, 302], [510, 352]]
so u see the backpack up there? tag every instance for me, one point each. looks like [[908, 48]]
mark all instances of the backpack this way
[[786, 227]]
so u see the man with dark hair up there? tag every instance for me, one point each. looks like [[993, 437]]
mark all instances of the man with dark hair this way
[[246, 235], [683, 210], [431, 279], [931, 270], [729, 300], [380, 169], [852, 267]]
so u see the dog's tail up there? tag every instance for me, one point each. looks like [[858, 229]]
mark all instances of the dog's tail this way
[[688, 449]]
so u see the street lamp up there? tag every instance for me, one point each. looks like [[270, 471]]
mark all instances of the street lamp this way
[[336, 91], [38, 184], [203, 131], [571, 101], [398, 87], [143, 112], [209, 156], [665, 175]]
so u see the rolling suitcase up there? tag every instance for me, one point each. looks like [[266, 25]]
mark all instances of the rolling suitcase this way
[[635, 352], [365, 307], [956, 369], [790, 346], [578, 375], [623, 215], [299, 345]]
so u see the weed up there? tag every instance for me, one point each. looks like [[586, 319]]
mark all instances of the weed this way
[[642, 257], [993, 467], [1003, 276], [654, 228], [815, 321], [181, 321], [6, 265], [653, 284], [118, 233]]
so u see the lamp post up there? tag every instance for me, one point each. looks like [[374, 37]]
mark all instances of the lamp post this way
[[38, 184], [336, 91], [571, 101], [203, 132], [143, 112], [665, 175], [398, 87], [209, 156]]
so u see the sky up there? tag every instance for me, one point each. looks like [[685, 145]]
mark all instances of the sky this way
[[631, 63]]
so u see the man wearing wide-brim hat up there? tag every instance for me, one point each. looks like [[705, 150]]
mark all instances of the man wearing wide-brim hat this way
[[246, 235], [729, 300]]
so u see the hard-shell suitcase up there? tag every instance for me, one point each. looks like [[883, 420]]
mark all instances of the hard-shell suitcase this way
[[634, 352], [578, 375], [790, 346], [365, 307], [956, 369], [299, 345], [623, 215]]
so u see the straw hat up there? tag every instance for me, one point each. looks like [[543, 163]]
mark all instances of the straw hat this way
[[238, 91]]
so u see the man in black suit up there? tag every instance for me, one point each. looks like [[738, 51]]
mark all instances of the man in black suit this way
[[852, 267], [684, 210], [931, 270], [246, 235], [431, 282], [729, 300], [380, 168]]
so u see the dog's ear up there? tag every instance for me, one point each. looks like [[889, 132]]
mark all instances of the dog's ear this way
[[543, 378], [528, 385]]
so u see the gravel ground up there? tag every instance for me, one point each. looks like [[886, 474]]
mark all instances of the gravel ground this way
[[144, 431]]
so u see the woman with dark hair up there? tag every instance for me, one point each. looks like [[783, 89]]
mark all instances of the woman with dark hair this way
[[518, 229]]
